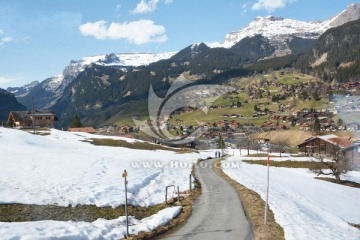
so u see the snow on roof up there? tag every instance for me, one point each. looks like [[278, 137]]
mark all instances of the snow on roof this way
[[327, 137]]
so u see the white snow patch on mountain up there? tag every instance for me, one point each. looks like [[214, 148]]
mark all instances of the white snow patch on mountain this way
[[54, 83], [126, 59], [279, 29], [272, 27], [58, 83]]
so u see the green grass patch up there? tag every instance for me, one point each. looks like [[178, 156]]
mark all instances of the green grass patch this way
[[289, 164], [87, 213], [122, 143], [342, 182], [136, 145], [262, 155], [322, 104], [215, 115], [123, 114]]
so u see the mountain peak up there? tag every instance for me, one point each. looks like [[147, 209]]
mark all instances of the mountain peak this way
[[268, 18], [278, 28], [273, 27], [111, 58], [351, 13]]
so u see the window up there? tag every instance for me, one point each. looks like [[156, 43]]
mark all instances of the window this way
[[322, 148]]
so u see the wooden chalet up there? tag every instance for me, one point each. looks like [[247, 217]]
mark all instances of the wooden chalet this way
[[325, 145], [29, 119]]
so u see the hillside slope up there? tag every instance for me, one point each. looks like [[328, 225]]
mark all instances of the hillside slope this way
[[335, 55], [8, 103]]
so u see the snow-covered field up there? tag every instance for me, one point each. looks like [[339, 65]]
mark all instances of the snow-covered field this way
[[62, 169], [305, 207]]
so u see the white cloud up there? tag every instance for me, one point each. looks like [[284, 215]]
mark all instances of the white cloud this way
[[138, 32], [4, 81], [5, 39], [117, 10], [244, 8], [145, 6], [270, 5]]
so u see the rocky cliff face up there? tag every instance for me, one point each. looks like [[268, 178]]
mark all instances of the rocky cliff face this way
[[352, 13]]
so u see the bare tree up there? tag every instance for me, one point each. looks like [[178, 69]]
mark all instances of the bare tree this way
[[245, 143], [281, 145], [256, 146], [339, 165]]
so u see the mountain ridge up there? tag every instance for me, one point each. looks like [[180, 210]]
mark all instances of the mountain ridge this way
[[8, 103], [199, 61], [49, 91], [280, 30]]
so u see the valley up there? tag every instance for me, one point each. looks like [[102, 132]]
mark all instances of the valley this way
[[253, 137]]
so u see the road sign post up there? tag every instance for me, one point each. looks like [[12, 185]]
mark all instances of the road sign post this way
[[124, 175], [190, 182]]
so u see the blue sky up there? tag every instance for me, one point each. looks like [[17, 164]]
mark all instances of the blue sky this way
[[38, 38]]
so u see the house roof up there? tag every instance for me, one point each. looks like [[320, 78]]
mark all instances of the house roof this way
[[327, 137], [83, 129], [342, 142], [26, 115], [20, 116]]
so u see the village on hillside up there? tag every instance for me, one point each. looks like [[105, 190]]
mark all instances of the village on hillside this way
[[269, 103]]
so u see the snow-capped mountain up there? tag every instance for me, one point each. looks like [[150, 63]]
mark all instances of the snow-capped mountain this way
[[273, 27], [22, 91], [351, 13], [281, 31], [48, 91], [120, 59], [283, 36]]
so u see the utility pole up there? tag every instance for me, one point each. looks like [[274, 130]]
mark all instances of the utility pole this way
[[270, 143], [267, 189], [33, 114], [124, 175]]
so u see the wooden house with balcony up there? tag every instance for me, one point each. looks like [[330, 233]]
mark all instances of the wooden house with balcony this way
[[29, 119], [325, 145]]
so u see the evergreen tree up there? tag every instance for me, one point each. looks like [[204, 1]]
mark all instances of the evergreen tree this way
[[75, 122], [340, 122], [238, 103], [317, 125], [220, 142]]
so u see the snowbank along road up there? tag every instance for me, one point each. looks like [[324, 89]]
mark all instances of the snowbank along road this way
[[217, 213]]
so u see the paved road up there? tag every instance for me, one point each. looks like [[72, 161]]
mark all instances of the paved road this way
[[217, 213]]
